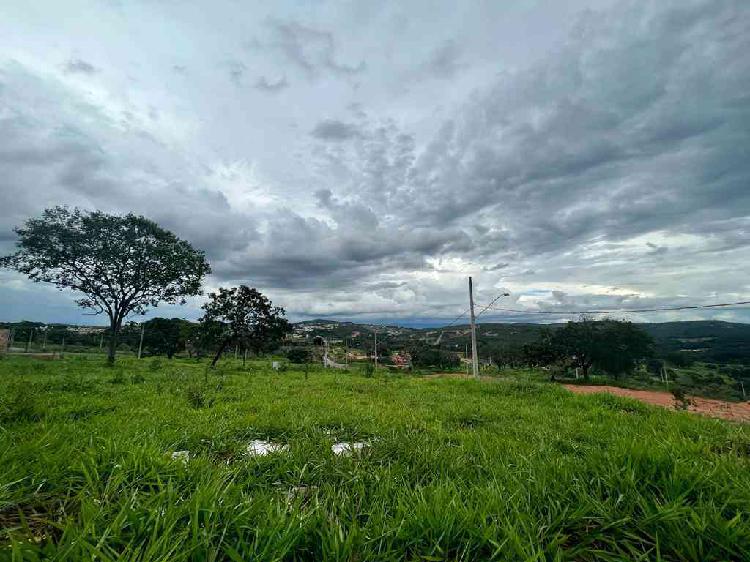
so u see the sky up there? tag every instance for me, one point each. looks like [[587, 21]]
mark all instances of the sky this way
[[359, 160]]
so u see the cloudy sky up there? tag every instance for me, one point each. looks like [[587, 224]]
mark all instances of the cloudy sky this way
[[360, 159]]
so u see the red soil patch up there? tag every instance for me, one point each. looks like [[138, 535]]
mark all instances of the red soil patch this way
[[735, 411]]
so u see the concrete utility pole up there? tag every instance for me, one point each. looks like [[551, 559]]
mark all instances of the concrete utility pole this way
[[140, 344], [376, 350], [474, 356]]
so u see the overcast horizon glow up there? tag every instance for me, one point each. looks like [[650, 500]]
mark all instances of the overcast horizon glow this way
[[360, 160]]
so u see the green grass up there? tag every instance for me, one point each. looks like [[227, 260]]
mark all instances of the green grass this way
[[456, 469]]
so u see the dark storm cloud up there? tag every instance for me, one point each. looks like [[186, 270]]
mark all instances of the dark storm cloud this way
[[272, 86], [333, 130], [641, 122], [79, 66], [618, 158]]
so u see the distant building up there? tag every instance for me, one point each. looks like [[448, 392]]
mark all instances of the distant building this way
[[402, 360]]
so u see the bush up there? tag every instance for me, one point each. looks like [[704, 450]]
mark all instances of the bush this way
[[298, 355], [681, 400], [368, 370]]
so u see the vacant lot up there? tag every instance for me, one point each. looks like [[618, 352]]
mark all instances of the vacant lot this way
[[450, 469]]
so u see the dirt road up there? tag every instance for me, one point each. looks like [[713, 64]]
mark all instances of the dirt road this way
[[735, 411]]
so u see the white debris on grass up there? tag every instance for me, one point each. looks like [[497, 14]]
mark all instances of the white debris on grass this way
[[260, 448], [347, 449], [183, 456]]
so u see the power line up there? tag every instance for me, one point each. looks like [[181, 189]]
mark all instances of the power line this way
[[457, 318], [614, 310]]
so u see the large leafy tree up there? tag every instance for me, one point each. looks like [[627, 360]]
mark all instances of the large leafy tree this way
[[121, 264], [247, 318], [163, 336], [612, 346]]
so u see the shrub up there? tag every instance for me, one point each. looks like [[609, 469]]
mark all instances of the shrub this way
[[298, 355], [681, 400]]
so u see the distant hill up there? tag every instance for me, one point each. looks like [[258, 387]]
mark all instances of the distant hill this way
[[709, 341]]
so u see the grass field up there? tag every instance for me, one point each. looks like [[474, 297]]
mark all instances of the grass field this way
[[512, 469]]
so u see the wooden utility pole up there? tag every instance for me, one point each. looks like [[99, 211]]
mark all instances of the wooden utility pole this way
[[140, 344], [474, 356]]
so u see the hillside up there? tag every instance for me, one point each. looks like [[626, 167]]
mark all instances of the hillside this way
[[707, 341]]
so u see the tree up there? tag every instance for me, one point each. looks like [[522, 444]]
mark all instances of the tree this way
[[428, 356], [122, 264], [298, 355], [246, 318], [613, 346], [163, 336]]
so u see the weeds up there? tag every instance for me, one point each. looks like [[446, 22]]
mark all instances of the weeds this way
[[19, 404]]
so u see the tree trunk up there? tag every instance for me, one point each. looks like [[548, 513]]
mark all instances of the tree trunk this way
[[112, 346], [222, 347]]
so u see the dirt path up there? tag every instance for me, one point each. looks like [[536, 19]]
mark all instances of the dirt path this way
[[735, 411]]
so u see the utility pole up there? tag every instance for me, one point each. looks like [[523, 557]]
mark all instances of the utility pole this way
[[376, 350], [474, 356], [44, 342], [346, 352], [28, 343], [466, 356], [140, 344]]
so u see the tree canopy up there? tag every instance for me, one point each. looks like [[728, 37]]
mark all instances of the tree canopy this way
[[164, 336], [613, 346], [245, 317], [121, 264]]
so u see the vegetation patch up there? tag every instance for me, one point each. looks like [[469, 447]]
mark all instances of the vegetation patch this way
[[460, 469]]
